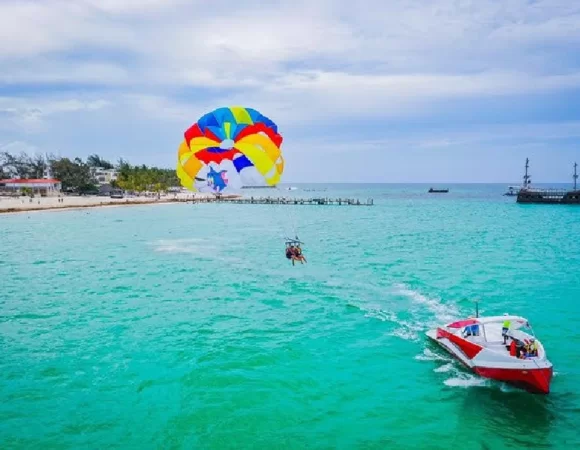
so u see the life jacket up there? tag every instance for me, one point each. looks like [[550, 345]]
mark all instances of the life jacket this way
[[513, 348]]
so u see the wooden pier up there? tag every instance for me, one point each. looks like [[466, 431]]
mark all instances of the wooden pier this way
[[286, 201]]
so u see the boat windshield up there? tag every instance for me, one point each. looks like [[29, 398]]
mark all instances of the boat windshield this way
[[522, 333]]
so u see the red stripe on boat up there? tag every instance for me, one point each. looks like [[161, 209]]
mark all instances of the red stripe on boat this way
[[468, 348], [536, 380]]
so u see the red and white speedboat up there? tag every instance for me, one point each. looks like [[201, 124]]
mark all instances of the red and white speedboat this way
[[479, 344]]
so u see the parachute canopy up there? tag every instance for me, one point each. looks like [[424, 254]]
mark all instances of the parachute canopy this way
[[229, 148]]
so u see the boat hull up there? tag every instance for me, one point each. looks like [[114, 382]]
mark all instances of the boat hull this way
[[548, 196], [533, 380], [519, 373]]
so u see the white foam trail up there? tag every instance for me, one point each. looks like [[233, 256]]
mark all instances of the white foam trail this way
[[385, 316], [443, 312], [504, 387], [444, 368], [188, 246], [429, 355], [407, 331], [465, 381], [407, 335], [410, 329]]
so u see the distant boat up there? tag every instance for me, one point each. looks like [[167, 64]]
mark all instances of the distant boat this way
[[549, 196], [512, 191], [438, 191]]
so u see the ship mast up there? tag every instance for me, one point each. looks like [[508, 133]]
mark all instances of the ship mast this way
[[575, 174], [526, 176]]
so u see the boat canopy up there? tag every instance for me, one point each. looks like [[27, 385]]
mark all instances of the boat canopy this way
[[515, 321], [462, 323]]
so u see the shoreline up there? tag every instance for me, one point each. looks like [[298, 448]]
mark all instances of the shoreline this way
[[76, 207], [18, 205]]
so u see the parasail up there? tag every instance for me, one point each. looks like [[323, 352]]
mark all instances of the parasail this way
[[229, 148]]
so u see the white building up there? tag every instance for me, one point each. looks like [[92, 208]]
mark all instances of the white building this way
[[42, 186], [104, 176], [47, 173]]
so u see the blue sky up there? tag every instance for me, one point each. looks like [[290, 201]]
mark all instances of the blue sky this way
[[387, 91]]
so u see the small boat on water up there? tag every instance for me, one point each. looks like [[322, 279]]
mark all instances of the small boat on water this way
[[512, 191], [478, 343], [438, 191]]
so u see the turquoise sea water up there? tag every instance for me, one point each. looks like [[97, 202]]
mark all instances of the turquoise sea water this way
[[183, 326]]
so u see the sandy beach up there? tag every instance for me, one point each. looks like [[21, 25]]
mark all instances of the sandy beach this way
[[26, 204]]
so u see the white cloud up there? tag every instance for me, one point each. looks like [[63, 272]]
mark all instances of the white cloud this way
[[30, 28], [309, 96], [166, 62], [189, 43], [52, 71], [131, 7], [18, 147], [326, 57], [30, 113], [522, 134], [503, 136]]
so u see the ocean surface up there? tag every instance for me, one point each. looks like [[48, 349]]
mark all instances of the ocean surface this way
[[184, 327]]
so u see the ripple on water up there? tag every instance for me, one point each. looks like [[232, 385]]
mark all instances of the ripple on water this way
[[187, 328]]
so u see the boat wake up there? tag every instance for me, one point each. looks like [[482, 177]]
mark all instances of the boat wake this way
[[187, 246], [411, 312], [416, 316], [413, 327], [201, 248], [430, 355], [457, 377], [445, 368], [442, 312], [465, 380]]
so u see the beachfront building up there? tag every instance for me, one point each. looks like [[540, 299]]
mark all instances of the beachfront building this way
[[104, 176], [47, 173], [46, 187]]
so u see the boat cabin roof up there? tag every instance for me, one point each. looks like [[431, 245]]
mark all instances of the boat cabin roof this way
[[516, 321]]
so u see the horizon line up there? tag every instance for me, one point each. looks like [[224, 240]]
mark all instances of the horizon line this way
[[423, 182]]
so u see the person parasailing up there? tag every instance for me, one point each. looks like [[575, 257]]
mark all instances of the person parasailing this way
[[294, 251], [290, 252], [298, 254]]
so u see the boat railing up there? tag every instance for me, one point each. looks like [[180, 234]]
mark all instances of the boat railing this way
[[547, 190]]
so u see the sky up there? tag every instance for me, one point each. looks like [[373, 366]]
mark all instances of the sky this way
[[368, 91]]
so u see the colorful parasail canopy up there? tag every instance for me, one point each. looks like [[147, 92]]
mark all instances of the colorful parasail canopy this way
[[229, 148]]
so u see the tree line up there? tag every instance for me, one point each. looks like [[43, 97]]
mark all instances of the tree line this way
[[77, 175]]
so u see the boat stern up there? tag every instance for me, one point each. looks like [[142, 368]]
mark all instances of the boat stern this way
[[541, 379], [533, 380]]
